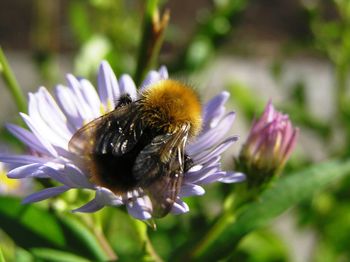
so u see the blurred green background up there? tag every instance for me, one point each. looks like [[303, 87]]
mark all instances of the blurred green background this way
[[295, 52]]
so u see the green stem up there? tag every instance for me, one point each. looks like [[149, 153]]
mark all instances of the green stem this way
[[233, 204], [342, 98], [112, 256], [11, 83], [220, 225], [152, 38], [94, 224], [150, 253], [341, 78]]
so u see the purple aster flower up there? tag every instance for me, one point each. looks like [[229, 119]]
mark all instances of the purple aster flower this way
[[53, 121], [271, 140]]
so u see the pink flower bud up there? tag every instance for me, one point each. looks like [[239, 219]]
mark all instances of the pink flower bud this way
[[271, 140]]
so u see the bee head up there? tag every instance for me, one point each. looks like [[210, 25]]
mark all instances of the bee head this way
[[169, 104]]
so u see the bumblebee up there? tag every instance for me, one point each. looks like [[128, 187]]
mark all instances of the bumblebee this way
[[141, 144]]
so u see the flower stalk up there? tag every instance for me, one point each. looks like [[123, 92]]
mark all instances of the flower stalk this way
[[227, 219], [11, 83], [92, 221], [150, 253], [112, 256], [152, 38]]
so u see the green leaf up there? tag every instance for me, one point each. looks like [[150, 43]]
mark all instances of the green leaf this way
[[262, 246], [51, 255], [33, 227], [2, 259], [79, 238], [29, 226], [286, 193]]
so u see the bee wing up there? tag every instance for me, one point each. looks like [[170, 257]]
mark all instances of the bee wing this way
[[116, 132], [160, 167]]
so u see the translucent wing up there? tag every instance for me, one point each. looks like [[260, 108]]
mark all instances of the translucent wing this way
[[160, 167], [116, 132]]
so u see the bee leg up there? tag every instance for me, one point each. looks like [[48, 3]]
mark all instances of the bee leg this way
[[188, 163]]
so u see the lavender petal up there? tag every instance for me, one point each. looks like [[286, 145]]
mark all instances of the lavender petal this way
[[103, 197], [212, 136], [53, 111], [65, 100], [188, 189], [208, 154], [141, 208], [91, 97], [27, 138], [163, 72], [214, 110], [197, 176], [232, 177], [108, 88], [90, 207], [83, 108], [127, 86], [45, 193], [107, 197], [76, 177], [31, 170], [211, 178], [44, 123], [151, 78], [21, 159], [179, 207], [39, 135]]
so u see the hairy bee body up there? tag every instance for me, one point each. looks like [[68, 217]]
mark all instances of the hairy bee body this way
[[141, 144], [115, 172]]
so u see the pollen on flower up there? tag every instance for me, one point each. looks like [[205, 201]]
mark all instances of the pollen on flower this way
[[102, 109], [6, 184], [9, 184]]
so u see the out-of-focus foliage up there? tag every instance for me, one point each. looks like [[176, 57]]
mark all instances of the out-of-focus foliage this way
[[106, 29], [227, 222]]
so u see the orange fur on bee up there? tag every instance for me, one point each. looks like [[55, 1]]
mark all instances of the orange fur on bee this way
[[169, 104]]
